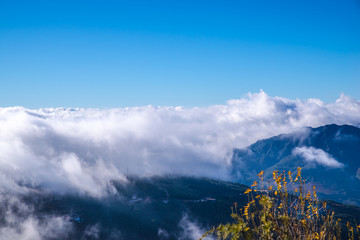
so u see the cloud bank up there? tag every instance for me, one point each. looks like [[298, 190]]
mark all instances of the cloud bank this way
[[319, 156], [84, 150]]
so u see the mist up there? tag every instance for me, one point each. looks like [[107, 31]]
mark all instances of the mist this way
[[83, 151]]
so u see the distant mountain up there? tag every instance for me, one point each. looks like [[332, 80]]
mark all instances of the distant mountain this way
[[329, 156]]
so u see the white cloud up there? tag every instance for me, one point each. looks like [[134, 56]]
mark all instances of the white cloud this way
[[311, 154], [191, 230], [163, 234], [84, 150], [92, 231]]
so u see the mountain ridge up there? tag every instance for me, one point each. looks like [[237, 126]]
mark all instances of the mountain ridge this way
[[329, 156]]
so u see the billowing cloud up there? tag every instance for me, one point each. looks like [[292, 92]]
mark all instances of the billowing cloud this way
[[316, 155], [85, 150]]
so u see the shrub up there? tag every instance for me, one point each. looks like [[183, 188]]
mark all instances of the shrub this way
[[273, 213]]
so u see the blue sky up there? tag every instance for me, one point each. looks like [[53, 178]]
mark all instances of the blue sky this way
[[190, 53]]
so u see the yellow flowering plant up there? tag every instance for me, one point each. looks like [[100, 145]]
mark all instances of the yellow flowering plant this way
[[272, 212]]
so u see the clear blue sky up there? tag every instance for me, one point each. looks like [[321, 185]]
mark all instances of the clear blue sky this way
[[189, 53]]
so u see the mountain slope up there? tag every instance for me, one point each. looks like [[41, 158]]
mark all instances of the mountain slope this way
[[146, 208], [329, 156]]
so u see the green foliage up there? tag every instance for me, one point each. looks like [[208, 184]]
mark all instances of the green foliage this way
[[273, 213]]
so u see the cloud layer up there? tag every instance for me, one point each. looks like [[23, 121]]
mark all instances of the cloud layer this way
[[315, 155], [85, 150]]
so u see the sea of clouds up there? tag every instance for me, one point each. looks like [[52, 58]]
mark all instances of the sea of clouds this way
[[83, 151]]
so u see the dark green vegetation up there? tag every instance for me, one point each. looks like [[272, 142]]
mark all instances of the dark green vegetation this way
[[153, 208], [342, 143]]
